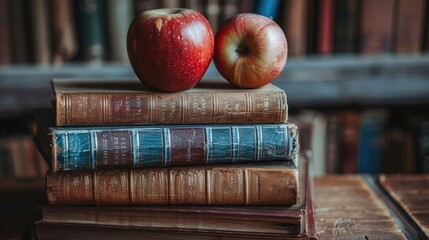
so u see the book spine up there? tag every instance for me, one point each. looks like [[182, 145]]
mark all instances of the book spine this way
[[91, 30], [370, 145], [165, 146], [326, 16], [119, 16], [178, 108], [409, 26], [63, 31], [295, 26], [346, 26], [268, 8], [5, 44], [376, 29], [19, 33], [41, 34], [215, 185]]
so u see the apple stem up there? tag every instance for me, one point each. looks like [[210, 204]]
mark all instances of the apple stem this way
[[242, 50]]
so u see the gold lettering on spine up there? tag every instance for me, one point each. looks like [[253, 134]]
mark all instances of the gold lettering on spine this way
[[162, 190], [82, 103], [198, 108], [144, 190], [240, 190]]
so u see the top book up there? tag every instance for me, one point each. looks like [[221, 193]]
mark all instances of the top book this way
[[89, 102]]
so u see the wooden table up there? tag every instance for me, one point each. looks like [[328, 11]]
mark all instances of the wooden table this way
[[345, 207], [364, 207]]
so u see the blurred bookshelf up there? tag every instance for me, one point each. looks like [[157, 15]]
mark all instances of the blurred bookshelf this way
[[356, 78], [338, 62]]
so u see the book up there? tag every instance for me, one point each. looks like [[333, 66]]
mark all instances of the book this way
[[333, 131], [229, 8], [41, 33], [312, 129], [184, 222], [425, 47], [119, 15], [346, 27], [423, 146], [69, 148], [376, 30], [312, 13], [408, 33], [92, 39], [350, 123], [63, 31], [128, 102], [212, 9], [5, 28], [267, 8], [326, 26], [398, 145], [269, 183], [295, 26], [370, 144], [19, 32]]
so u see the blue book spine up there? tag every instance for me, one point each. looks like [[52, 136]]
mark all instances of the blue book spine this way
[[370, 145], [268, 8], [150, 146]]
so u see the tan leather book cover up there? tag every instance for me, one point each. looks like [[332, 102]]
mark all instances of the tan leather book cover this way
[[376, 26], [127, 102], [271, 183], [409, 26]]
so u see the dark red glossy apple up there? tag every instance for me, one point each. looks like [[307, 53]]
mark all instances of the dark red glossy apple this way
[[170, 49], [250, 50]]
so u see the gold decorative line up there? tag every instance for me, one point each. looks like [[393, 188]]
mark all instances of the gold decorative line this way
[[208, 184], [215, 102], [67, 109], [103, 108], [151, 107], [184, 103], [249, 106]]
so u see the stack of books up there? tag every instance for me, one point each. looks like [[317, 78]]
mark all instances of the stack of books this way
[[210, 162]]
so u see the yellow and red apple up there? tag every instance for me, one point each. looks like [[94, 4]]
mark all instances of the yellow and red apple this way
[[250, 50], [170, 49]]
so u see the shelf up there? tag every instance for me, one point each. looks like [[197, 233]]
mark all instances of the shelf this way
[[309, 82]]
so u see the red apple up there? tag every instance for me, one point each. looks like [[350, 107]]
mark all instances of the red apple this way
[[250, 50], [170, 49]]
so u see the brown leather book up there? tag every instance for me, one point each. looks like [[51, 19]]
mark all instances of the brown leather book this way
[[127, 102], [41, 39], [5, 28], [409, 26], [184, 222], [271, 183], [349, 141], [326, 26], [119, 14], [295, 26], [63, 31], [19, 32], [376, 26]]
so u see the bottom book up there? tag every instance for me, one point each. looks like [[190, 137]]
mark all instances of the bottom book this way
[[182, 222]]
